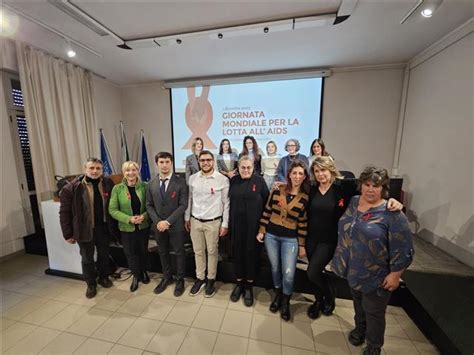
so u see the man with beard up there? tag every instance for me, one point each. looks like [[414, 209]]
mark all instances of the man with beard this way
[[207, 219]]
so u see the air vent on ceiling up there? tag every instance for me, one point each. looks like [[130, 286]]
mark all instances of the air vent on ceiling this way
[[65, 7]]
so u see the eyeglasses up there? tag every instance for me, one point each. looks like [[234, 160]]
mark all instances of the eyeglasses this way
[[291, 145], [205, 160]]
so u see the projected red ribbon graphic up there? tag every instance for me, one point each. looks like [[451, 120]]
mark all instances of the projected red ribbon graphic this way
[[199, 117]]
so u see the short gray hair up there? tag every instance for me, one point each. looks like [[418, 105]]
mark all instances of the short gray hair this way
[[244, 157], [294, 140], [378, 176]]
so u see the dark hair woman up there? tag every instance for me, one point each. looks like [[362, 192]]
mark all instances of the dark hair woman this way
[[284, 227], [375, 246], [227, 159], [250, 148]]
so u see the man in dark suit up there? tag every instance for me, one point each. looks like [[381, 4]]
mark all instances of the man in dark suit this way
[[166, 202]]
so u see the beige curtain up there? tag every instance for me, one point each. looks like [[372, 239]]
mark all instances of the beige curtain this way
[[59, 108]]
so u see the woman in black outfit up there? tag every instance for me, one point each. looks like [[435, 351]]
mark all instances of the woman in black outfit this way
[[248, 193], [328, 200]]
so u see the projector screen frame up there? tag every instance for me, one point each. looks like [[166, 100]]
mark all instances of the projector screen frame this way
[[323, 74], [247, 78]]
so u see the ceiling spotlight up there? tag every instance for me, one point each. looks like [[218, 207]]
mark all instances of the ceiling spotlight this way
[[266, 29], [220, 35], [427, 13], [71, 53], [179, 41]]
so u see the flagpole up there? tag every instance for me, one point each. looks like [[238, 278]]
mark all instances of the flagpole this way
[[123, 144], [139, 153]]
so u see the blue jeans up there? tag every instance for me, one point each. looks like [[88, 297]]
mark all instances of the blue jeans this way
[[283, 253]]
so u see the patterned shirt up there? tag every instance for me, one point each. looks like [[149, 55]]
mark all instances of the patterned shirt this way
[[371, 244], [285, 218]]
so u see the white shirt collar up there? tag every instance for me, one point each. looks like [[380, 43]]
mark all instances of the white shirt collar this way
[[166, 177]]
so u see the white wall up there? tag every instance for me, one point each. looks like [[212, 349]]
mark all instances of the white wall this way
[[437, 155], [12, 218], [147, 107], [108, 108], [360, 115]]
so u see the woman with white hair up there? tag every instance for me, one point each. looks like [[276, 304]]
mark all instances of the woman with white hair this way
[[292, 146], [127, 205]]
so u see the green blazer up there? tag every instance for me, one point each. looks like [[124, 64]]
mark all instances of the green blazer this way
[[120, 206]]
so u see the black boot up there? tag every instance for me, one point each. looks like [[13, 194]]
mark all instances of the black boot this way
[[276, 303], [145, 278], [285, 308], [237, 291], [134, 284], [329, 301], [314, 311], [369, 350], [248, 294], [91, 291], [356, 337]]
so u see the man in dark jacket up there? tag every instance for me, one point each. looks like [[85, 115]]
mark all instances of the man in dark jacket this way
[[85, 219], [166, 201]]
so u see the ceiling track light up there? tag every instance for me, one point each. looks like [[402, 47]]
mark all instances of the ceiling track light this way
[[254, 29], [84, 18]]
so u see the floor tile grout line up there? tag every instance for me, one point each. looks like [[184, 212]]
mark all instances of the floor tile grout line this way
[[36, 277], [12, 346]]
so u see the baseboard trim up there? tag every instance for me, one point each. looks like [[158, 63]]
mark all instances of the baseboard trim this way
[[70, 275]]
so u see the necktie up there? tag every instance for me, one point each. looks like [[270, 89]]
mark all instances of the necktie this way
[[163, 188]]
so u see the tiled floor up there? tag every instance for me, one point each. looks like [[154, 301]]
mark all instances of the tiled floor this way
[[43, 314]]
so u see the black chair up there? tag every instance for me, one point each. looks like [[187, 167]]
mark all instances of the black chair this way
[[347, 174]]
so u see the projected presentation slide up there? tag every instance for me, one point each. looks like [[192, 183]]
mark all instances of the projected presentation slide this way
[[272, 110]]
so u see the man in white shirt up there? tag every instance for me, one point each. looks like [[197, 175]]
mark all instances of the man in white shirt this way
[[207, 218]]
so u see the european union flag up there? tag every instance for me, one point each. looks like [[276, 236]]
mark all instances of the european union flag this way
[[143, 159], [105, 155]]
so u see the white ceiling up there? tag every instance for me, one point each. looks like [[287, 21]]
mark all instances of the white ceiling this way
[[372, 35]]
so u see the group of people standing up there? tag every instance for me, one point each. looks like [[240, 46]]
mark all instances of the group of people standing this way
[[271, 166], [365, 238]]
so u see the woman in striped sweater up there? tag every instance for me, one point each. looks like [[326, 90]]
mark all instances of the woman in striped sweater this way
[[283, 227]]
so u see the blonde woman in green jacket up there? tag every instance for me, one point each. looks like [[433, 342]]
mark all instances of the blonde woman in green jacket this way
[[128, 206]]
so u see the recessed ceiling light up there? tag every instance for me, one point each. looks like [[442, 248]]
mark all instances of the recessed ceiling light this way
[[71, 53], [427, 13]]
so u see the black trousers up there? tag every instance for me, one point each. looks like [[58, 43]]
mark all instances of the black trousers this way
[[101, 242], [319, 255], [245, 256], [175, 240], [135, 247], [370, 314]]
